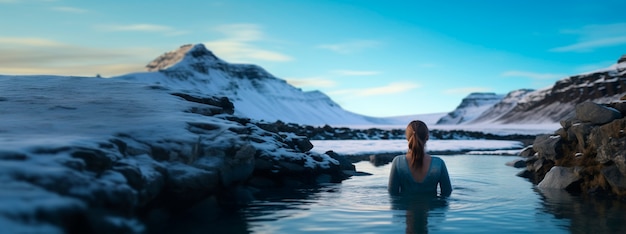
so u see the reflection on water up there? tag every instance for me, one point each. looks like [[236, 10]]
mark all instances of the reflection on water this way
[[419, 209], [586, 215], [487, 198]]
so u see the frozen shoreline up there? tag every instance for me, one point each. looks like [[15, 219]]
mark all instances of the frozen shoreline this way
[[360, 147]]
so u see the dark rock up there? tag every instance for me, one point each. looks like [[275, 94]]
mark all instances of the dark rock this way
[[222, 102], [95, 160], [581, 131], [382, 159], [291, 167], [344, 164], [615, 178], [238, 168], [188, 185], [548, 146], [609, 143], [303, 144], [619, 106], [528, 151], [595, 113], [517, 163]]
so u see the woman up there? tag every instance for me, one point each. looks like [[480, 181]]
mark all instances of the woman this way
[[418, 172]]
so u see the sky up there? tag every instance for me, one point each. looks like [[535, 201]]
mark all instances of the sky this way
[[376, 58]]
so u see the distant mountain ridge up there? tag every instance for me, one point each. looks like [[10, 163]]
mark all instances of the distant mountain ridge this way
[[256, 93], [470, 108], [549, 105]]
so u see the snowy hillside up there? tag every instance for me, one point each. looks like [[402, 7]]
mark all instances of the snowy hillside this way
[[545, 106], [504, 106], [255, 93], [470, 108], [556, 103]]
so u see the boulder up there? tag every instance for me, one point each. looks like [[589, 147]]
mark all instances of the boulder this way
[[517, 163], [620, 106], [186, 185], [580, 131], [559, 178], [596, 113], [548, 146], [527, 152], [343, 162], [615, 178], [609, 142]]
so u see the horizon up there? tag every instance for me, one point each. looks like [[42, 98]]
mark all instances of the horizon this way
[[371, 58]]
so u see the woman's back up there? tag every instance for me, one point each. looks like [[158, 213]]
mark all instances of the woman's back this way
[[401, 180]]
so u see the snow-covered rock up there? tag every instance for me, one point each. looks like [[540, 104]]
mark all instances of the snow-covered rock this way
[[78, 153]]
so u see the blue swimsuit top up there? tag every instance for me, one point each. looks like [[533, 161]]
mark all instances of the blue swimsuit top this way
[[401, 180]]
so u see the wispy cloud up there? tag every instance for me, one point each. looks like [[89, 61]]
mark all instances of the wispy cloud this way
[[355, 73], [146, 28], [532, 75], [591, 37], [312, 82], [135, 27], [23, 56], [351, 46], [466, 90], [238, 44], [391, 88], [70, 9], [28, 41]]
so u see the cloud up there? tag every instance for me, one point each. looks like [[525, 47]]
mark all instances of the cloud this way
[[392, 88], [136, 28], [588, 46], [311, 82], [532, 75], [29, 56], [70, 9], [28, 41], [591, 37], [350, 47], [238, 44], [355, 73], [466, 90]]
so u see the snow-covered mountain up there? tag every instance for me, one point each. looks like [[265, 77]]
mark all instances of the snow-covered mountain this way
[[504, 106], [255, 93], [545, 106], [471, 107]]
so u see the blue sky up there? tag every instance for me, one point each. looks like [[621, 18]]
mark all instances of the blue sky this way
[[378, 58]]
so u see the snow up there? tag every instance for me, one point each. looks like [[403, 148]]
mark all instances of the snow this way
[[255, 93], [471, 107], [354, 147], [44, 119]]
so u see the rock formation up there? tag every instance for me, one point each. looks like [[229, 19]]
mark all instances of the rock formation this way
[[92, 155], [548, 105], [588, 154]]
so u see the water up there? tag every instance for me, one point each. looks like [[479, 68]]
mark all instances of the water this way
[[487, 198]]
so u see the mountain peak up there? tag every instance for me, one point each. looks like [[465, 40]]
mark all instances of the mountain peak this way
[[197, 53]]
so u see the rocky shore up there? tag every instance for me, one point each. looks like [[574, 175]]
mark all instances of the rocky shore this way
[[586, 156], [114, 152]]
